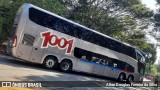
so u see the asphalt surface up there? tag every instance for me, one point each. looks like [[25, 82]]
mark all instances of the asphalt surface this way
[[13, 70]]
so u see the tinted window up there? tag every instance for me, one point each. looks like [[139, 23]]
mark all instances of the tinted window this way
[[131, 52], [99, 59], [118, 64], [28, 40], [129, 68], [52, 22], [141, 68]]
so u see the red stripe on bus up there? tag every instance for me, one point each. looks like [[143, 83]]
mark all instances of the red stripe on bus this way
[[127, 71]]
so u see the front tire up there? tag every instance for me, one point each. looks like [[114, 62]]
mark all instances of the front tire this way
[[50, 63], [66, 65]]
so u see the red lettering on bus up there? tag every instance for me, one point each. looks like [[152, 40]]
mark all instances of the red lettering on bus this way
[[61, 42], [55, 42], [64, 44]]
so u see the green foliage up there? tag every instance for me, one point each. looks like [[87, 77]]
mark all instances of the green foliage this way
[[135, 7], [140, 11], [153, 70], [150, 48], [124, 20], [97, 19], [156, 31], [8, 10], [158, 68]]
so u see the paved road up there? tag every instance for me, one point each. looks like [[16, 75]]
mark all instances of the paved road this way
[[12, 70]]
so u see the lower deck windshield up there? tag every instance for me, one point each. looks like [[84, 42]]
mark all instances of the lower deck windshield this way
[[141, 68]]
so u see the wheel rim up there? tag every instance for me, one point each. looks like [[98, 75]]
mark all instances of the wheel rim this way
[[130, 79], [65, 66], [121, 77], [50, 63]]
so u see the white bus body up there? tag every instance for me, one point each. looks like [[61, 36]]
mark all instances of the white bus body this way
[[43, 40]]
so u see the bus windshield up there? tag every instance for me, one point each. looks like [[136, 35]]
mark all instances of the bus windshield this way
[[141, 68], [141, 62], [140, 57]]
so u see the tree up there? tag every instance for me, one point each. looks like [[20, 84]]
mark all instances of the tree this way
[[158, 68], [125, 20], [150, 49], [8, 10], [116, 18], [156, 31], [122, 19], [153, 70]]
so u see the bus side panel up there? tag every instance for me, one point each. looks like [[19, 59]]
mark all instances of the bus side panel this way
[[49, 53], [19, 31]]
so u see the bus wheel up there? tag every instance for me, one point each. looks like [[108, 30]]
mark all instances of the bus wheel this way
[[50, 63], [121, 77], [130, 79], [65, 65]]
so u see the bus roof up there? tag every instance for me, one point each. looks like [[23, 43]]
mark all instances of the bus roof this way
[[31, 5]]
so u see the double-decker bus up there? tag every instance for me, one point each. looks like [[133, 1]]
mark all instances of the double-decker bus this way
[[43, 37]]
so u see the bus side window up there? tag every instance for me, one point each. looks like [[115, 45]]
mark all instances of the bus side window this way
[[77, 53], [65, 27], [59, 26], [121, 64], [109, 62], [28, 40], [89, 57], [102, 62], [106, 62], [126, 66], [93, 59], [83, 57], [98, 60], [114, 64], [129, 68]]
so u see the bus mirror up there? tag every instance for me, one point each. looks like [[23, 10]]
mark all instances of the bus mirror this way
[[148, 55]]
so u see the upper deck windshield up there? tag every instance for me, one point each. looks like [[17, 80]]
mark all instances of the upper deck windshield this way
[[140, 56]]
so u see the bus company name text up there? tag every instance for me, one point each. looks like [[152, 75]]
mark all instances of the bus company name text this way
[[52, 40], [22, 84]]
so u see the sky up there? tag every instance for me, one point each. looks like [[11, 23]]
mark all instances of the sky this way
[[152, 5]]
